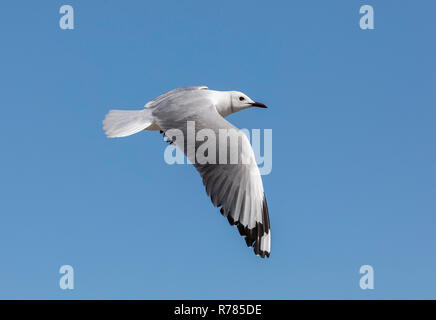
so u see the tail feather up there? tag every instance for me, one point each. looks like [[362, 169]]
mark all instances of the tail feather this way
[[123, 123]]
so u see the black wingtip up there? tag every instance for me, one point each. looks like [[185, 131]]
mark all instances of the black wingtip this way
[[254, 235], [260, 253]]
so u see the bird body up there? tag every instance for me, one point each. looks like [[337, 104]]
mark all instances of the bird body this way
[[235, 186]]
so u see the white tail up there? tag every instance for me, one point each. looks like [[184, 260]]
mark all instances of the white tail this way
[[123, 123]]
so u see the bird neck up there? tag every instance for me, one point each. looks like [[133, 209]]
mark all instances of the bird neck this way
[[223, 103]]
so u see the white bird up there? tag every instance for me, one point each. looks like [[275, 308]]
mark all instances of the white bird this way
[[236, 188]]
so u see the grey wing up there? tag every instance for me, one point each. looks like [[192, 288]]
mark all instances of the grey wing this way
[[237, 188], [168, 94]]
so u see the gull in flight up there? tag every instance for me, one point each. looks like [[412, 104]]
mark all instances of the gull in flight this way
[[235, 187]]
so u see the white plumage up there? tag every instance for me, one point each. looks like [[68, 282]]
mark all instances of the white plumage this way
[[237, 188]]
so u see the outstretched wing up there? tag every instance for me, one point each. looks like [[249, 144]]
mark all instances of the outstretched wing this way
[[236, 187]]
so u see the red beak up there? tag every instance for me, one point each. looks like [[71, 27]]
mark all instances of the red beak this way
[[258, 104]]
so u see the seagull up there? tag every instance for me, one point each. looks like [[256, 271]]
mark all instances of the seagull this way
[[235, 188]]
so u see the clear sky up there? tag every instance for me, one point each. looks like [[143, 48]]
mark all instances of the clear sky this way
[[353, 180]]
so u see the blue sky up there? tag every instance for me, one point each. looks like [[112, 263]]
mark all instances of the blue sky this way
[[353, 178]]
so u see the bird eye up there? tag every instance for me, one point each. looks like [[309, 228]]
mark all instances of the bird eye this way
[[241, 98]]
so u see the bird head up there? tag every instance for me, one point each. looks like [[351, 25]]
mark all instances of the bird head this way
[[240, 101]]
